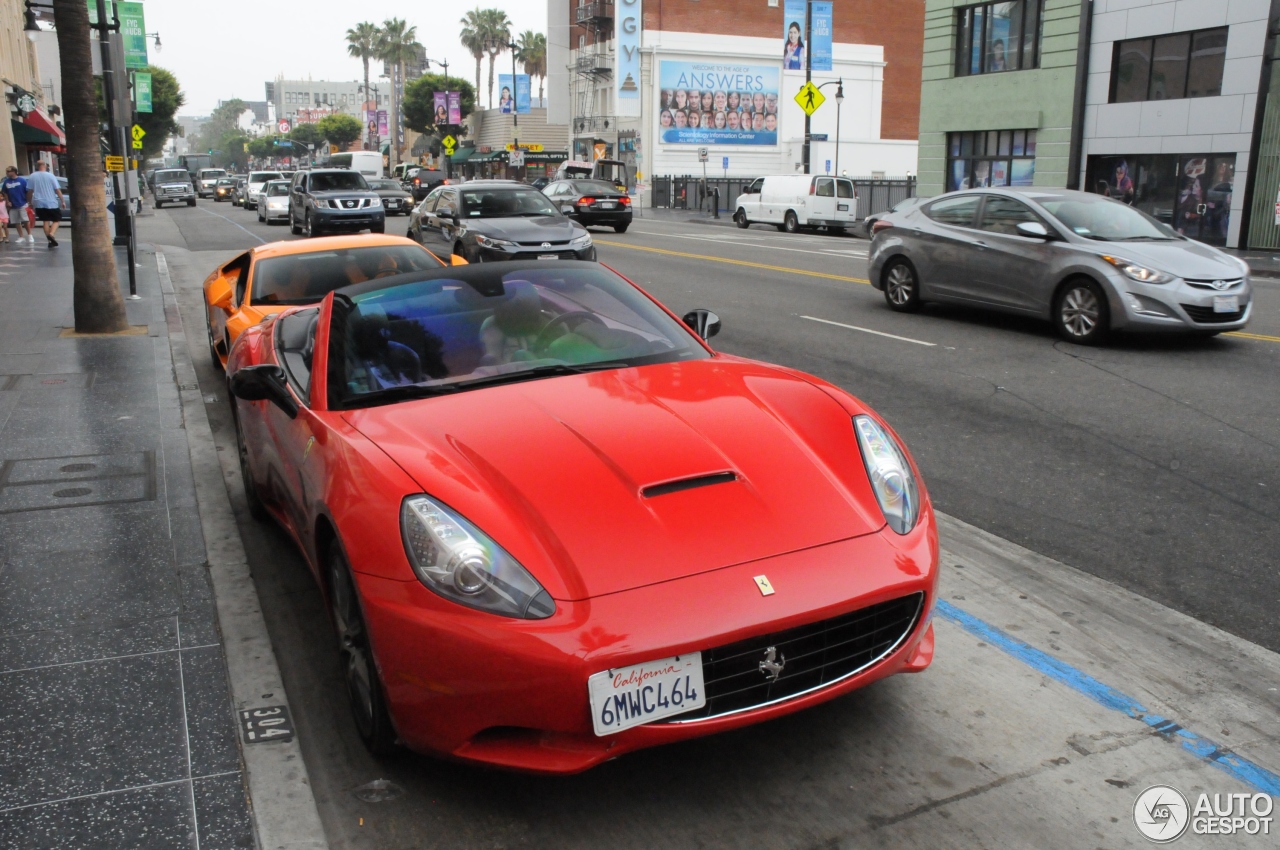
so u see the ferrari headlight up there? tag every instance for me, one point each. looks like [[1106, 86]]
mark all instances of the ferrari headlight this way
[[1137, 272], [458, 561], [490, 242], [891, 477]]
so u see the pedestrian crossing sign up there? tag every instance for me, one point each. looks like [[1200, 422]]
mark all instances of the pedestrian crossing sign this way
[[448, 142], [810, 98]]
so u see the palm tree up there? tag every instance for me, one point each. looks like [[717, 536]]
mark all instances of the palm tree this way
[[497, 39], [362, 41], [473, 38], [397, 45], [531, 50], [98, 305]]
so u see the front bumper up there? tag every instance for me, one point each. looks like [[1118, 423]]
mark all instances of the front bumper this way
[[1177, 306], [513, 693], [531, 252], [604, 218], [354, 221], [282, 213], [393, 207]]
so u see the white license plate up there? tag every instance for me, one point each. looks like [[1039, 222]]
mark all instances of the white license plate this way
[[643, 693], [607, 205], [1226, 304], [548, 256]]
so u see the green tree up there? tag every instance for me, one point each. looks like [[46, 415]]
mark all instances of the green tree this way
[[340, 129], [362, 42], [397, 46], [166, 100], [531, 53], [419, 102], [497, 38], [473, 38], [263, 147], [307, 134]]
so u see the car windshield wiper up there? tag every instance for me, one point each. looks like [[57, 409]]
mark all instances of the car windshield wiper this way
[[548, 371], [1147, 239]]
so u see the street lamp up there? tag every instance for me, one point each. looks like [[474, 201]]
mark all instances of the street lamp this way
[[839, 100], [31, 24], [156, 36], [515, 104]]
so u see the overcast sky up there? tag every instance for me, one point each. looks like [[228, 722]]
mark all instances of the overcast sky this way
[[229, 48]]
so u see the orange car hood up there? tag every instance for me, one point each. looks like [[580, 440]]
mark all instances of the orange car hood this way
[[556, 469]]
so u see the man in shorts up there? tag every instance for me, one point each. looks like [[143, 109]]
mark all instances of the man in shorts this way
[[14, 190], [46, 197]]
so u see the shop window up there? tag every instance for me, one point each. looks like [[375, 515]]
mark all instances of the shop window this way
[[1186, 64], [994, 37], [1189, 192], [991, 158]]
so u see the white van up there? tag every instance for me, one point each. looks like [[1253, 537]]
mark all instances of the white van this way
[[793, 201], [368, 163]]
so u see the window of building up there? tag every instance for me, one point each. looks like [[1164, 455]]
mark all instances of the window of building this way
[[991, 158], [1189, 192], [997, 37], [1185, 64], [582, 41]]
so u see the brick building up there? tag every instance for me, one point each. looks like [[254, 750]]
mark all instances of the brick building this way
[[733, 47]]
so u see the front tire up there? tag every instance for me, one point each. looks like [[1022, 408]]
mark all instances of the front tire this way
[[620, 228], [381, 228], [740, 219], [791, 224], [213, 349], [191, 202], [257, 509], [293, 227], [901, 287], [1080, 313], [364, 687]]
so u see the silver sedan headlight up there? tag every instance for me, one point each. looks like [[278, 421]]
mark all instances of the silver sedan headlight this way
[[460, 562], [490, 242], [583, 241], [891, 477], [1140, 273]]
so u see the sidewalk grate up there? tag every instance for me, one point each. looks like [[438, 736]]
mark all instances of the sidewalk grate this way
[[41, 484]]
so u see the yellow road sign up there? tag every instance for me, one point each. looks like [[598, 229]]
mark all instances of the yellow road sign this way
[[809, 98], [448, 141], [137, 134], [137, 144], [534, 148], [115, 163]]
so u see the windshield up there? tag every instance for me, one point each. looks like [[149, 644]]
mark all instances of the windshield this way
[[211, 174], [596, 187], [276, 189], [264, 176], [172, 177], [385, 185], [226, 182], [1106, 220], [331, 181], [505, 203], [307, 278], [462, 328]]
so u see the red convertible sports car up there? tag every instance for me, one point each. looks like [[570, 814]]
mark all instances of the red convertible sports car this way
[[554, 526]]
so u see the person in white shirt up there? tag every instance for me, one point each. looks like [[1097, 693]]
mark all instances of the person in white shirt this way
[[46, 199]]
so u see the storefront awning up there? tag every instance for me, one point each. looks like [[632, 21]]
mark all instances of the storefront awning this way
[[38, 119], [489, 157], [546, 156], [463, 154], [25, 134]]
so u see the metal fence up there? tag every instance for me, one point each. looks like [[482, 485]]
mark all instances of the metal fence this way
[[690, 192]]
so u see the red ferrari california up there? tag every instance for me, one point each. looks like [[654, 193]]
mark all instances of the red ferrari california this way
[[553, 525]]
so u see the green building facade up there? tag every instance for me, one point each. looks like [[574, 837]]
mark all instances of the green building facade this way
[[981, 124]]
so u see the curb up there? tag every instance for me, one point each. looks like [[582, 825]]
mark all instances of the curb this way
[[280, 795]]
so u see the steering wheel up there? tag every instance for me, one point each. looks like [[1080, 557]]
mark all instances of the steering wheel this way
[[392, 272], [568, 321]]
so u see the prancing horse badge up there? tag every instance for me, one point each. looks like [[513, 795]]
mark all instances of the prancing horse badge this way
[[762, 582]]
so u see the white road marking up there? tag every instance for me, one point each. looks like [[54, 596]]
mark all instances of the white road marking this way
[[229, 221], [869, 331]]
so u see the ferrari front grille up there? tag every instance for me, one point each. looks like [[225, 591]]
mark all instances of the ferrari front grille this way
[[772, 668]]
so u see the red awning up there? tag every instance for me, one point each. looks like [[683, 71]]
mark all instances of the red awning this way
[[40, 121]]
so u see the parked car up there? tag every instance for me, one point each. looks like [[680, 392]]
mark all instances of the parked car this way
[[548, 519], [495, 220], [395, 200], [273, 202], [64, 185], [173, 185], [795, 201], [254, 183], [333, 199], [423, 181], [207, 179], [591, 202], [870, 221], [1085, 262]]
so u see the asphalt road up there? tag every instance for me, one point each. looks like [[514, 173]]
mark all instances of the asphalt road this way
[[1151, 463]]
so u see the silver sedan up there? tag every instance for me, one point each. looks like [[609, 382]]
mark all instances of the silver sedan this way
[[1087, 263], [272, 201]]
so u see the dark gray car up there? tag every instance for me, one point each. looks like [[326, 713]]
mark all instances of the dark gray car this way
[[395, 200], [488, 221], [1087, 263]]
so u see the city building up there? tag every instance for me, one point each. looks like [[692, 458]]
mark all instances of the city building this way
[[631, 103], [490, 131], [27, 130], [307, 101], [1164, 104]]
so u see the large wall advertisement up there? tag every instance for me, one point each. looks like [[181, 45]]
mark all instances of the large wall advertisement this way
[[705, 103]]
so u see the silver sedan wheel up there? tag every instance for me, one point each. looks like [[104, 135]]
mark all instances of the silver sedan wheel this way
[[1081, 311], [900, 284]]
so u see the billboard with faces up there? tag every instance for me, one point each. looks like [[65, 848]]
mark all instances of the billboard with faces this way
[[709, 103]]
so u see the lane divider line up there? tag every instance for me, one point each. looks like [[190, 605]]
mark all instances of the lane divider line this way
[[1224, 759], [1262, 337], [229, 221], [729, 239], [869, 331], [784, 269]]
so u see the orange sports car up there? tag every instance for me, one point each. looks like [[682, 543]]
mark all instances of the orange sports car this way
[[264, 280]]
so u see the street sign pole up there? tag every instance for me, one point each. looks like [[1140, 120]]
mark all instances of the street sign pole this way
[[113, 130], [808, 73]]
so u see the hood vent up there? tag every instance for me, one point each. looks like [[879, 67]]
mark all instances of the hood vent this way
[[688, 484]]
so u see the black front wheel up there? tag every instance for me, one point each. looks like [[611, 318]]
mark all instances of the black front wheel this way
[[790, 224], [740, 219], [257, 509], [364, 687]]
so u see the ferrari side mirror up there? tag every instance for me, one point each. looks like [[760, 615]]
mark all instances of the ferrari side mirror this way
[[702, 322], [265, 382]]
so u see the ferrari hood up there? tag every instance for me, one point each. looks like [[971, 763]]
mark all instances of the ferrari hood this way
[[603, 482]]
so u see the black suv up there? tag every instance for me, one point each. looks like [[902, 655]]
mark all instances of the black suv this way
[[335, 200], [491, 220]]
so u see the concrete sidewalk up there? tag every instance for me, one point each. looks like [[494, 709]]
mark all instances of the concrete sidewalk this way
[[119, 728]]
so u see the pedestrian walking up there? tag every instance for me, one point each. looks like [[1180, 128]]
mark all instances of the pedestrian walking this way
[[4, 220], [46, 198], [14, 189]]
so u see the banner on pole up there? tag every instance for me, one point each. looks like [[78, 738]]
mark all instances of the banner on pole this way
[[142, 91], [133, 32]]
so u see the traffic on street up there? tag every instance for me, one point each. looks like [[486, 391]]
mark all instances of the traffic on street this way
[[667, 443]]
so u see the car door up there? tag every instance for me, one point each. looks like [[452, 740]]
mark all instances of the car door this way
[[442, 224], [1011, 268], [298, 198], [846, 202], [235, 275], [421, 221], [750, 200], [944, 232], [300, 475], [821, 206]]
